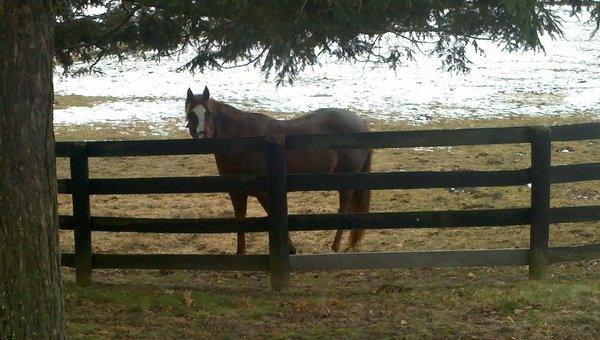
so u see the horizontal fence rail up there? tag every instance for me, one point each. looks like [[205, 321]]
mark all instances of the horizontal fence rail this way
[[174, 261], [321, 262], [437, 259], [420, 219], [170, 225], [403, 139], [431, 138], [169, 185], [415, 259], [575, 173], [374, 220], [575, 132], [341, 181], [575, 214], [277, 182], [407, 180], [576, 253], [386, 139], [169, 147]]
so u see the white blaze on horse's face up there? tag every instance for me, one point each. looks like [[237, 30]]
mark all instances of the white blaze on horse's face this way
[[199, 111]]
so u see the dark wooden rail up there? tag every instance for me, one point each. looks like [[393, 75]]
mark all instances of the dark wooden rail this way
[[408, 180], [163, 147], [175, 261], [403, 139], [167, 225], [416, 259], [276, 183]]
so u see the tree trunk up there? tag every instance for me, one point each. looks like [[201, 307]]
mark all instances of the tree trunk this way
[[31, 305]]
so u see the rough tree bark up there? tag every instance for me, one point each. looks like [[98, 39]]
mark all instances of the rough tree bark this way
[[31, 305]]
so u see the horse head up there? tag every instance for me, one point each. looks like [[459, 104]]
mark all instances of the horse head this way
[[199, 114]]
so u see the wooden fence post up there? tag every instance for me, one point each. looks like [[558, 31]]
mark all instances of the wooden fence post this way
[[81, 214], [540, 202], [279, 260]]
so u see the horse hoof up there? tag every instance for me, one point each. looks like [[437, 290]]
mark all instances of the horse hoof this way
[[335, 247], [292, 250]]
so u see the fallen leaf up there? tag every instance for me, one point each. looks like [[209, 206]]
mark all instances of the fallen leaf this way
[[299, 307], [323, 313], [187, 298], [165, 271]]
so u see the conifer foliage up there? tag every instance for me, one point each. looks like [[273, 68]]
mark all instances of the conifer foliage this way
[[284, 36]]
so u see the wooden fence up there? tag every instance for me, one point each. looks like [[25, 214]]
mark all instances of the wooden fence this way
[[277, 182]]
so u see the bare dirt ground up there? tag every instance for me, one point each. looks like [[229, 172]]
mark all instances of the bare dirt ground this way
[[438, 303]]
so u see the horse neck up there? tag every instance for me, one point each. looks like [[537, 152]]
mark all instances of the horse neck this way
[[226, 110], [230, 121]]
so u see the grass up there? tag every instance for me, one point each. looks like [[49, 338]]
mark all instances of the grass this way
[[64, 101], [474, 302], [434, 303]]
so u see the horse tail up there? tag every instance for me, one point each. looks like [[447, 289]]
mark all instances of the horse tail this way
[[362, 203]]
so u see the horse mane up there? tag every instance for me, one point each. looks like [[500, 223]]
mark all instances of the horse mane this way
[[221, 107]]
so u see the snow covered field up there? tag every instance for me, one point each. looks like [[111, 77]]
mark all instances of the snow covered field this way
[[564, 81]]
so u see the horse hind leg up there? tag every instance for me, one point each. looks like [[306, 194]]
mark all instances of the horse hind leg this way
[[361, 203], [240, 207], [354, 240], [335, 246], [345, 198]]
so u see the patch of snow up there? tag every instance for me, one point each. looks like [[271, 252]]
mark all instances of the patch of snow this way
[[564, 80]]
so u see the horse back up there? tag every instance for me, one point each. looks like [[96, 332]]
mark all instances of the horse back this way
[[327, 120], [313, 161]]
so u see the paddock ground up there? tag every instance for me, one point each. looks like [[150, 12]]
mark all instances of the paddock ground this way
[[436, 303]]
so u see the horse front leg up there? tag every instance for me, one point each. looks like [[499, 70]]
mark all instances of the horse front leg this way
[[335, 246], [240, 207], [265, 204]]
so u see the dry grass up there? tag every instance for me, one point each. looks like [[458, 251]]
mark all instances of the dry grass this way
[[80, 101], [406, 303]]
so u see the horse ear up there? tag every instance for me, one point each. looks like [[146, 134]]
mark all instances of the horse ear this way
[[205, 94], [190, 95]]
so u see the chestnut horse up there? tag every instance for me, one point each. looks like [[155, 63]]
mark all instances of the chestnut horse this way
[[208, 118]]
